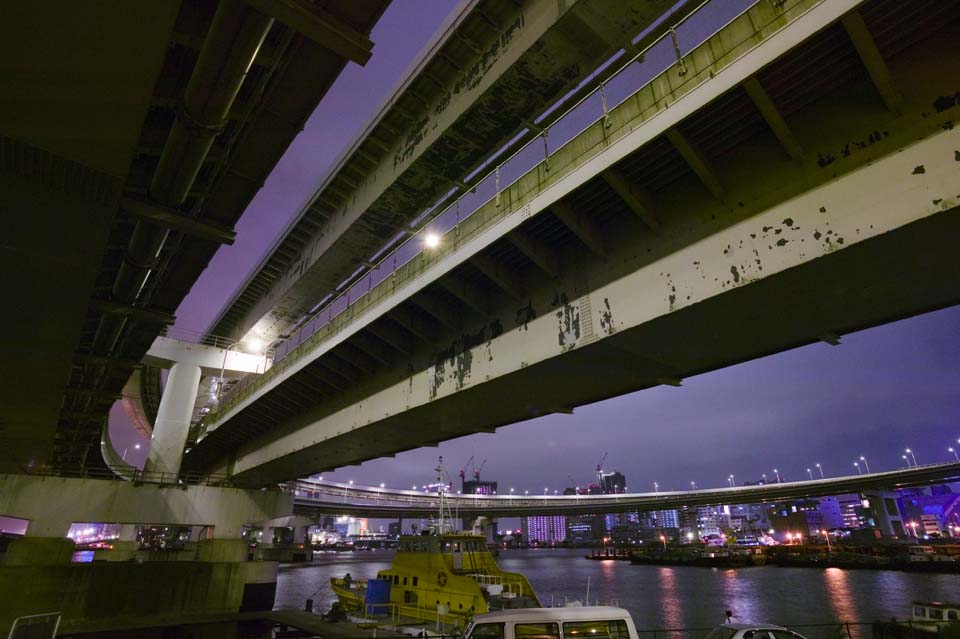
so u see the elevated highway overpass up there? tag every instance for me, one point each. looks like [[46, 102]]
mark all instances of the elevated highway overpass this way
[[791, 179], [332, 498], [131, 141]]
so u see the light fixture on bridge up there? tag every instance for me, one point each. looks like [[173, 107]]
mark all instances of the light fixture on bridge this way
[[254, 346], [431, 240]]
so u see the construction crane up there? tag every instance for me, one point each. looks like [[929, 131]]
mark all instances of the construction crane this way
[[476, 473], [463, 471], [600, 469]]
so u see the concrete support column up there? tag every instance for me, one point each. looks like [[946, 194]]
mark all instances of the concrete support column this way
[[173, 419], [125, 547], [300, 534], [266, 537], [44, 543]]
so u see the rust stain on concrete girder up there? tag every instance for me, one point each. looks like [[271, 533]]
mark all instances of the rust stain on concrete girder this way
[[606, 318], [568, 321], [458, 357], [525, 315]]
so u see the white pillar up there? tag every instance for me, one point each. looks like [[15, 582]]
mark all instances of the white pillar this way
[[266, 537], [300, 534], [173, 419]]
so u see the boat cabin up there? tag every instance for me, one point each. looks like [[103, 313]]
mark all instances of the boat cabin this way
[[935, 611], [593, 622]]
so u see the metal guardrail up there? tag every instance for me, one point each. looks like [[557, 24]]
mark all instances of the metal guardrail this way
[[136, 476], [399, 265]]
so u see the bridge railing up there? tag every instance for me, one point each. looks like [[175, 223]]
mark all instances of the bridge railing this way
[[518, 178], [134, 475]]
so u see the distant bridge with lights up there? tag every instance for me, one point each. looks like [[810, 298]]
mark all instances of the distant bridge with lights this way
[[319, 497]]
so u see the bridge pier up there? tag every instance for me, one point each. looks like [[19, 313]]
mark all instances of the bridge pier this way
[[173, 419]]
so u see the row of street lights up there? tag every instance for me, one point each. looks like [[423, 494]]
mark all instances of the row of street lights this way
[[909, 457]]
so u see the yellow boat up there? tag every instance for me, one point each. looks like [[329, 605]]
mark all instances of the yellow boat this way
[[447, 578]]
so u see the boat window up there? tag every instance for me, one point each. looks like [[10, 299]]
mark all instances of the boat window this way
[[487, 631], [409, 597], [414, 581], [952, 615], [609, 629], [936, 613], [404, 581], [396, 580], [919, 611], [721, 632], [536, 631], [782, 634]]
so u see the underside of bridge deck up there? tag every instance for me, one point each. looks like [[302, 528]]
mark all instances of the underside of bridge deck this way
[[814, 196]]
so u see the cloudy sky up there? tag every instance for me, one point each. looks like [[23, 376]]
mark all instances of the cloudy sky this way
[[878, 392]]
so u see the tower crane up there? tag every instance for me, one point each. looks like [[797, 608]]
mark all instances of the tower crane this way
[[600, 469], [476, 473], [463, 471]]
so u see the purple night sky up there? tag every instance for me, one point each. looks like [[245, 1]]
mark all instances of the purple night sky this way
[[878, 392]]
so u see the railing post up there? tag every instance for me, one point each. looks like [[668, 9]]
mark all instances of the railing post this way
[[546, 150], [682, 70], [497, 183], [603, 99]]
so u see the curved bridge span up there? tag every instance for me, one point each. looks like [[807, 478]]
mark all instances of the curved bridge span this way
[[316, 497]]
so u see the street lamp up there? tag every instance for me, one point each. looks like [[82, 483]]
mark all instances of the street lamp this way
[[906, 459], [865, 463], [826, 533], [656, 487], [952, 450], [777, 473], [693, 485], [913, 457], [137, 447], [664, 540], [431, 240], [764, 479], [820, 468], [810, 472], [857, 464]]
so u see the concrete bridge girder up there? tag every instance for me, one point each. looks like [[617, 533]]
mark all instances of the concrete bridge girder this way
[[610, 321], [546, 42]]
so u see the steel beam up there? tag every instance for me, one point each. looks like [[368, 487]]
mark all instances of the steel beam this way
[[638, 200], [697, 161], [544, 257], [319, 26], [176, 221], [133, 312], [393, 336], [502, 276], [773, 118], [467, 292], [374, 348], [421, 327], [439, 309], [873, 60], [580, 225]]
